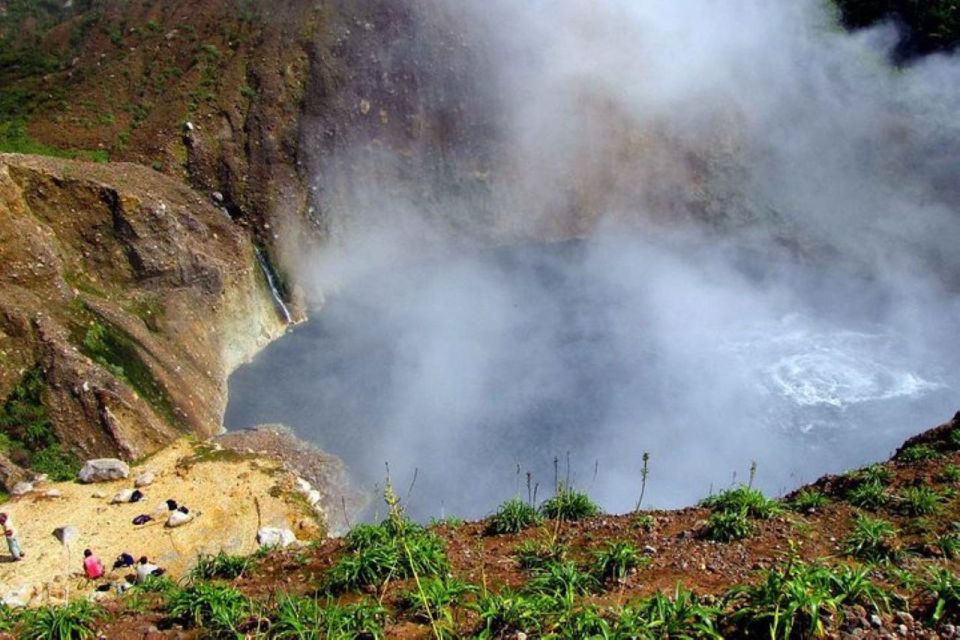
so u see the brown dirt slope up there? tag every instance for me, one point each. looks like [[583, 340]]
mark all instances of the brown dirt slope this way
[[125, 301], [676, 552]]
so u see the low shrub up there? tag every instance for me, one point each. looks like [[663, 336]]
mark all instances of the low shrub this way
[[569, 505], [807, 500], [727, 526], [299, 618], [868, 495], [219, 566], [919, 501], [615, 561], [393, 548], [944, 589], [437, 594], [871, 539], [534, 555], [513, 516], [798, 601], [743, 498], [74, 621], [917, 453], [209, 606]]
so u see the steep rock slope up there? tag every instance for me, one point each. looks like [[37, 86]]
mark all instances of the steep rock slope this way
[[126, 301]]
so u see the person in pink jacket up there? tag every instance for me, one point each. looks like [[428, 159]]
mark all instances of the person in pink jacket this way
[[92, 565]]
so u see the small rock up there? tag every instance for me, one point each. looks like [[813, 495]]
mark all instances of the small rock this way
[[902, 630], [21, 489], [40, 478], [66, 534], [216, 195], [16, 599], [99, 495], [876, 621], [52, 493], [275, 537], [145, 479], [649, 550], [949, 631], [905, 618], [104, 470]]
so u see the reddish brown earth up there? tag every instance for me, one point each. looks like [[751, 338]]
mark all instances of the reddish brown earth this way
[[677, 554]]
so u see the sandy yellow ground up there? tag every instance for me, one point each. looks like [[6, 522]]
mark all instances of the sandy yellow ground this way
[[224, 488]]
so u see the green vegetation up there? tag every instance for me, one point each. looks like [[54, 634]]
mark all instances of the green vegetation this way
[[732, 510], [799, 600], [534, 555], [949, 543], [919, 501], [513, 516], [569, 505], [209, 606], [917, 453], [868, 495], [26, 433], [877, 473], [561, 580], [114, 350], [872, 539], [396, 548], [74, 621], [808, 500], [727, 526], [683, 615], [615, 561], [743, 498], [949, 473], [944, 587], [435, 596], [219, 566], [15, 139], [297, 618]]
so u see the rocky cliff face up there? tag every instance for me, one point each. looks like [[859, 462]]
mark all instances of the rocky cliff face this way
[[127, 300]]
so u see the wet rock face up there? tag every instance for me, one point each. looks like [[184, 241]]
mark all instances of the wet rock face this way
[[129, 296]]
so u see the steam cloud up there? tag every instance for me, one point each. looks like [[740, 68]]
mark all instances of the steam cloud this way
[[766, 270]]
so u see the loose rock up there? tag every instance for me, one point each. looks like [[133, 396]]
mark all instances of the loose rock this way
[[275, 537], [104, 470], [145, 479]]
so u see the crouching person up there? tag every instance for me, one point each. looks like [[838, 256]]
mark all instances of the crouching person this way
[[92, 566], [145, 569]]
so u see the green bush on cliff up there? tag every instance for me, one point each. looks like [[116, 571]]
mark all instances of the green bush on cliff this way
[[26, 433], [115, 351]]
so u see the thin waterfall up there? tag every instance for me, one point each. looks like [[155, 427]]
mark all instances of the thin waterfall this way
[[272, 283]]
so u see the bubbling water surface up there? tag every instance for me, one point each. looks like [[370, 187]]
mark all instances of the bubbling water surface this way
[[469, 372]]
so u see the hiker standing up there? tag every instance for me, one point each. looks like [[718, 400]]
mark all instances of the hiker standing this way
[[13, 544]]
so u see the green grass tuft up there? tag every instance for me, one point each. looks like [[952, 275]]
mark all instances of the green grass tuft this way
[[917, 453], [727, 526], [513, 516], [871, 539], [744, 498], [808, 500], [569, 505]]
